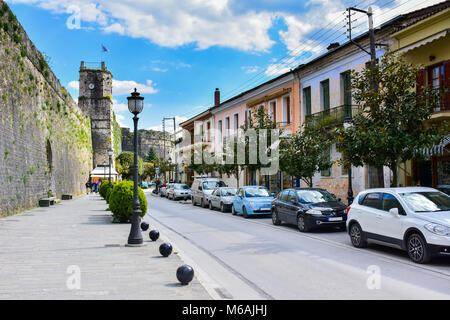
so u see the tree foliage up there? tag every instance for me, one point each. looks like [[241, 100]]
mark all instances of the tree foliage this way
[[124, 165], [396, 129], [306, 152]]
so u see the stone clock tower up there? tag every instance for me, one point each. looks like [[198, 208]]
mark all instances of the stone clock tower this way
[[95, 101]]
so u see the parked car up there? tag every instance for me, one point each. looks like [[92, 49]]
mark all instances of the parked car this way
[[163, 190], [222, 198], [445, 188], [414, 219], [308, 208], [202, 188], [143, 185], [251, 200], [179, 191]]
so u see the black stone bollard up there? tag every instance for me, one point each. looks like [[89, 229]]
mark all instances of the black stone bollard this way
[[185, 274], [165, 249], [154, 235], [144, 226]]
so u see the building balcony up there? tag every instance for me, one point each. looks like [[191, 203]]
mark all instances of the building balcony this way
[[334, 116]]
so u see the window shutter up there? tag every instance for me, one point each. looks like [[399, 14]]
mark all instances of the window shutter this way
[[447, 84], [421, 80]]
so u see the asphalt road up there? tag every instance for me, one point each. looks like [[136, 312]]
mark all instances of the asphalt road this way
[[237, 258]]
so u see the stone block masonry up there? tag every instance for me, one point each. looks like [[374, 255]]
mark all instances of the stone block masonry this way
[[45, 139], [147, 139]]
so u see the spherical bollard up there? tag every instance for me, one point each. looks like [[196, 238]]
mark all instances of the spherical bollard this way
[[144, 226], [185, 274], [165, 249], [154, 235]]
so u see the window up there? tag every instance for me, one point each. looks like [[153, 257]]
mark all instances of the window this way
[[219, 127], [273, 110], [284, 195], [292, 196], [439, 80], [287, 110], [236, 122], [389, 202], [346, 92], [248, 116], [307, 101], [325, 94], [227, 126], [372, 200], [327, 173], [208, 131]]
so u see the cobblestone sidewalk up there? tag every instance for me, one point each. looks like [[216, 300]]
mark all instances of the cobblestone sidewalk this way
[[42, 250]]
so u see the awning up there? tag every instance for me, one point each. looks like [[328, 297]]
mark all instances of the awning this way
[[439, 149], [103, 172], [424, 41]]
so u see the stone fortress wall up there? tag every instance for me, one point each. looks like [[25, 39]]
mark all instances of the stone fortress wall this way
[[45, 139]]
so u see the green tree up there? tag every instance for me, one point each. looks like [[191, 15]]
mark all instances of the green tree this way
[[125, 163], [306, 152], [149, 171], [262, 124], [151, 155], [395, 130]]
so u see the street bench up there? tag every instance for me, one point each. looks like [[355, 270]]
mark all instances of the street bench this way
[[66, 197], [47, 202]]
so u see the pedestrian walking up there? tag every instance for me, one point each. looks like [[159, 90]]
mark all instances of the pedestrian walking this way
[[87, 187]]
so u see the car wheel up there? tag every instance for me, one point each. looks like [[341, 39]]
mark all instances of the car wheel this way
[[222, 207], [210, 206], [357, 236], [275, 219], [418, 249], [301, 224], [244, 212], [233, 211]]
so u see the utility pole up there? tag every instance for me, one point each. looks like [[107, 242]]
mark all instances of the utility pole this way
[[373, 63]]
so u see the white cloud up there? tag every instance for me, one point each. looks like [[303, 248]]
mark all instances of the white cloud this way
[[251, 69], [120, 120], [276, 69], [115, 28], [74, 85], [125, 87]]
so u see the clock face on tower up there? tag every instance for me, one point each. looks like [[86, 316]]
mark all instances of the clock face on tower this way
[[91, 86]]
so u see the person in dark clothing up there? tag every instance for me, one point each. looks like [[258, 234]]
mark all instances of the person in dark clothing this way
[[87, 187]]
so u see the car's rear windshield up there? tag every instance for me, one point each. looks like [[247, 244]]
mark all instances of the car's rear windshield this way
[[181, 187], [228, 192], [426, 201], [256, 192], [314, 196], [210, 185]]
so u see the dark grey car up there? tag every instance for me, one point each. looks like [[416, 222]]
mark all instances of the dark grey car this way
[[222, 198]]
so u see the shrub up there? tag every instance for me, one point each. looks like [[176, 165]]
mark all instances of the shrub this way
[[121, 201], [103, 188], [108, 193]]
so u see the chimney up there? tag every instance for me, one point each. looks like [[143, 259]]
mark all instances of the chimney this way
[[333, 46], [216, 97], [83, 65]]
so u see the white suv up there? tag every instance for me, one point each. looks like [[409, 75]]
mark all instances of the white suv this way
[[414, 219]]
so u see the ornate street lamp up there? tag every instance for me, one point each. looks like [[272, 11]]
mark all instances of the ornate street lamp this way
[[110, 154], [347, 125], [135, 105]]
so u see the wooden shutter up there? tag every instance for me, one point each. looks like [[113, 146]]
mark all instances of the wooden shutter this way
[[447, 84], [326, 94], [421, 80]]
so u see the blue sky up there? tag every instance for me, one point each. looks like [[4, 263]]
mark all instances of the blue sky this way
[[178, 51]]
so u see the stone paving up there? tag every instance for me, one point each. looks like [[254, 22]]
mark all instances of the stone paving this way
[[42, 252]]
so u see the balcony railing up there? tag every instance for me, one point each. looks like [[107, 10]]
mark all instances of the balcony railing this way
[[283, 124], [334, 116]]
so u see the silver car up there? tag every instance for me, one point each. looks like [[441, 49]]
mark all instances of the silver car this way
[[222, 198], [179, 191], [202, 188], [163, 190]]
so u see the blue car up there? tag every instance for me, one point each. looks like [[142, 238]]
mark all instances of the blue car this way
[[252, 200]]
